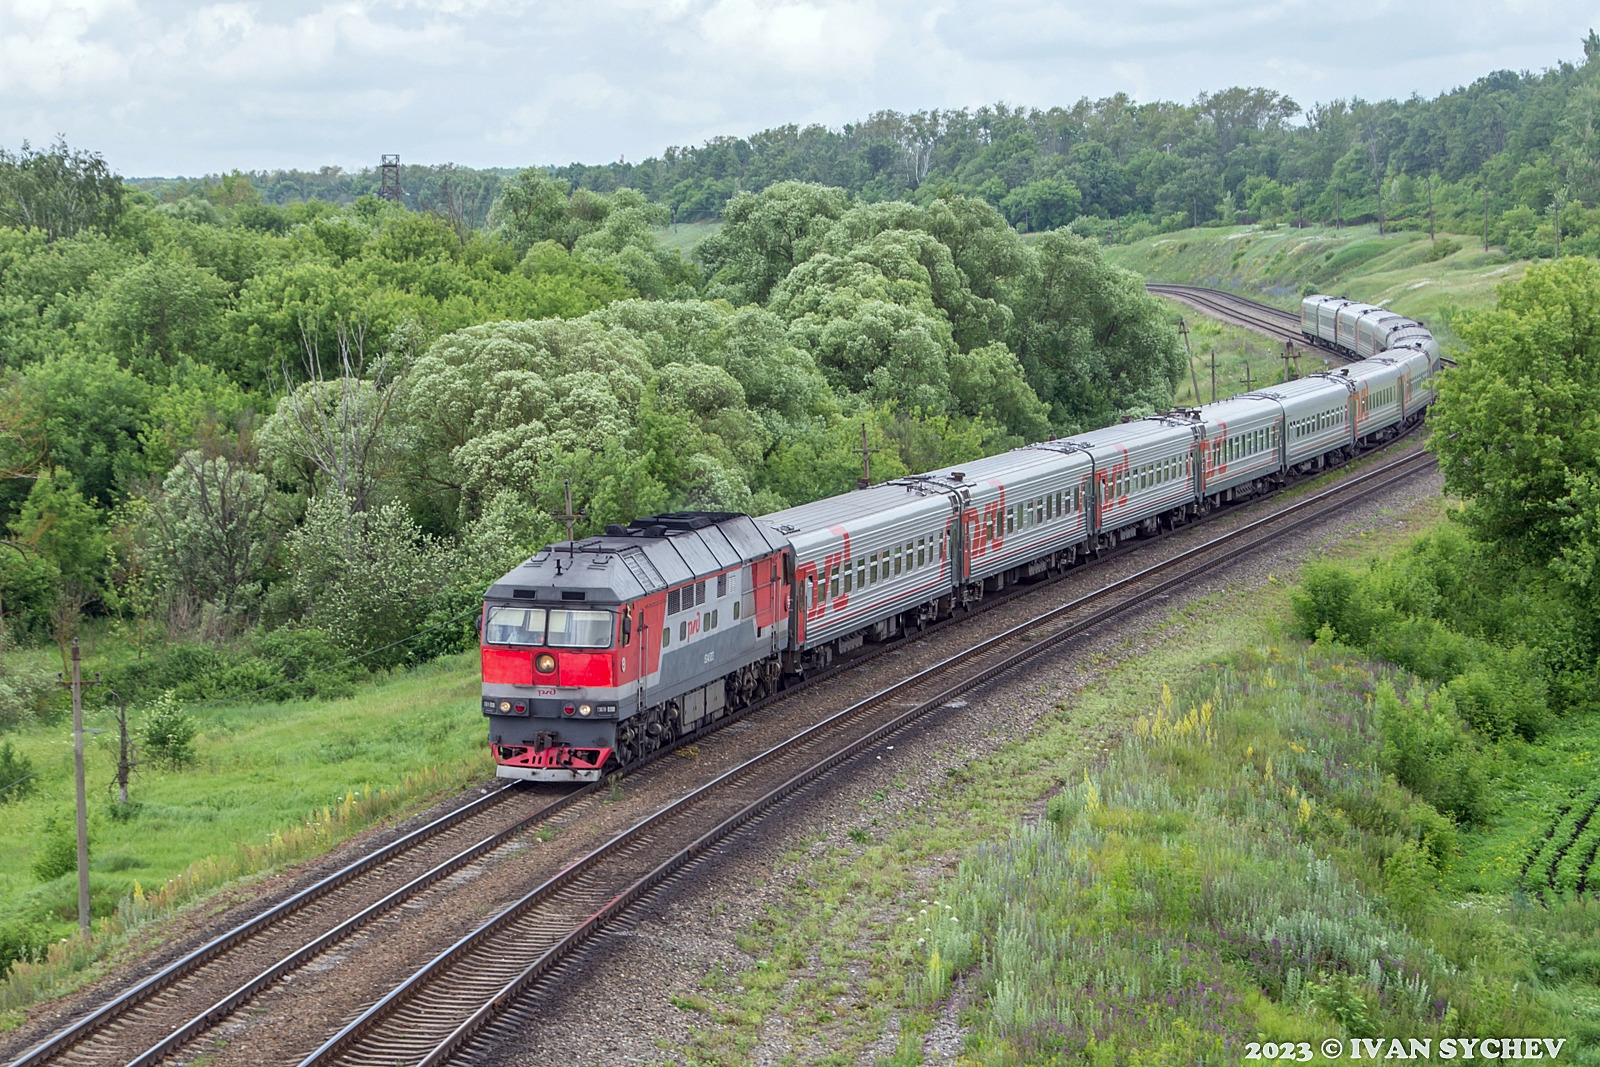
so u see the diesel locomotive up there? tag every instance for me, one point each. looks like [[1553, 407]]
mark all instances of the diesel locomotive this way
[[599, 651]]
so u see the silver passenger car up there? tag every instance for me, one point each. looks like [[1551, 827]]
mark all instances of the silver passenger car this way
[[1142, 470], [1240, 439], [863, 557], [1316, 418], [1021, 508]]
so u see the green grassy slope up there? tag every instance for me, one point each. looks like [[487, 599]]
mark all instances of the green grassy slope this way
[[1277, 266], [270, 783]]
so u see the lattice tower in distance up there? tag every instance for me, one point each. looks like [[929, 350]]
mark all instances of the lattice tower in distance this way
[[389, 187]]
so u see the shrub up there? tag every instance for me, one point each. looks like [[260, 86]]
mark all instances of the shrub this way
[[1426, 749], [1331, 596], [22, 941], [1441, 249], [58, 854], [169, 731], [16, 774], [307, 663]]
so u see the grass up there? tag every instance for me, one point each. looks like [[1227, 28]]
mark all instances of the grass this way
[[1243, 359], [685, 236], [1236, 872], [1276, 265], [270, 784]]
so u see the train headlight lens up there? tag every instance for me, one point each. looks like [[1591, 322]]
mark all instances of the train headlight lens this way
[[545, 664], [584, 709], [505, 705]]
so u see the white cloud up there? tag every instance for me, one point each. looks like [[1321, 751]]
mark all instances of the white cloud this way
[[169, 86]]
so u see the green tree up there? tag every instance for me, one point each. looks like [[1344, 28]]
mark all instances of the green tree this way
[[214, 530], [59, 190], [158, 311], [367, 578], [1093, 343], [1516, 425], [765, 235]]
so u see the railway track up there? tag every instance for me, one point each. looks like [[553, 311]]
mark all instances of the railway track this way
[[1240, 311], [1274, 322], [432, 1013], [164, 1012]]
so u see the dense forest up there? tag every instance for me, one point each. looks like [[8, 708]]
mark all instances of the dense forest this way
[[1512, 151], [256, 441]]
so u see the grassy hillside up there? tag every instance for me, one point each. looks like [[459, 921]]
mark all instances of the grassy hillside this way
[[267, 784], [1278, 266]]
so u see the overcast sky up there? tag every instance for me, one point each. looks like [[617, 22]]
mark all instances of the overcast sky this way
[[167, 87]]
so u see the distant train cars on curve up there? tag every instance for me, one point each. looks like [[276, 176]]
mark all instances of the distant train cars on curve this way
[[598, 652]]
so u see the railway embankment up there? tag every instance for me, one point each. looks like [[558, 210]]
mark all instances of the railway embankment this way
[[1432, 280], [1127, 852], [802, 937]]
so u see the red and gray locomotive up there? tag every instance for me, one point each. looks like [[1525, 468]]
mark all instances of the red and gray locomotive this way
[[599, 651]]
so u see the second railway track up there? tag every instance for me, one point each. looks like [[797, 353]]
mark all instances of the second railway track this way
[[427, 1017]]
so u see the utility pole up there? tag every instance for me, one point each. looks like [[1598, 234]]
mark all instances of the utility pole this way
[[1247, 386], [1213, 374], [570, 517], [866, 459], [1556, 203], [1183, 328]]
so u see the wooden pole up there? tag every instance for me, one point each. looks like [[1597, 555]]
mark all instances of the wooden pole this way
[[1213, 374], [1183, 328]]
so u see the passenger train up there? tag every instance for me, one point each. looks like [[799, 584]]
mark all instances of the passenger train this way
[[598, 652]]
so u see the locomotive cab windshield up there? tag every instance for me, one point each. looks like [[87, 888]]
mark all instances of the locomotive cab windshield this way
[[529, 627]]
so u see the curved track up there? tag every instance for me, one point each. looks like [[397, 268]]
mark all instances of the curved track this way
[[1238, 310], [427, 1017]]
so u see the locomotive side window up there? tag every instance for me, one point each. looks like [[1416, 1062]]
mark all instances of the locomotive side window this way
[[666, 637], [580, 629], [515, 626]]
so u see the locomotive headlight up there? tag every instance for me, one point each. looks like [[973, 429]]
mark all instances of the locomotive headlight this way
[[505, 705], [584, 709], [545, 664]]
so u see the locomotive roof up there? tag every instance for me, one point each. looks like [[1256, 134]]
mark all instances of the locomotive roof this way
[[646, 556]]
